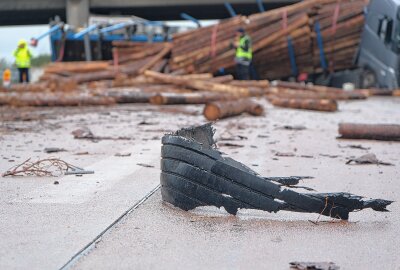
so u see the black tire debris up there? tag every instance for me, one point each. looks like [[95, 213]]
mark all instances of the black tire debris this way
[[195, 174]]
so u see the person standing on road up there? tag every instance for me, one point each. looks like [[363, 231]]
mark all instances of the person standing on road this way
[[23, 60], [244, 54]]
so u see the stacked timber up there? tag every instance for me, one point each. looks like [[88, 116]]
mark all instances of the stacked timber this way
[[196, 50], [341, 24], [285, 40], [130, 52]]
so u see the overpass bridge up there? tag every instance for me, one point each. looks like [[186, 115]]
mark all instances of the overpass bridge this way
[[76, 12]]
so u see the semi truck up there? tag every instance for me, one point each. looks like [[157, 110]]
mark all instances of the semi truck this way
[[377, 59]]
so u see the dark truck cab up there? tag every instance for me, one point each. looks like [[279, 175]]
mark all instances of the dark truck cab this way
[[378, 58]]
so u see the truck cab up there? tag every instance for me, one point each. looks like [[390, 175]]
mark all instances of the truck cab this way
[[379, 48]]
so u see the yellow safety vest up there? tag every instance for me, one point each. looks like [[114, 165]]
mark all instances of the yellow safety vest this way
[[22, 57], [242, 54]]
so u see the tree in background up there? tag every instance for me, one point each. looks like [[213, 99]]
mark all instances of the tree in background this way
[[4, 63], [41, 60]]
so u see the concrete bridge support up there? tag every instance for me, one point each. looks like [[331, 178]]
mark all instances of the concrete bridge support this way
[[77, 12]]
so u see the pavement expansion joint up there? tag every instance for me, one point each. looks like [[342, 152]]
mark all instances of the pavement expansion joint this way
[[86, 249]]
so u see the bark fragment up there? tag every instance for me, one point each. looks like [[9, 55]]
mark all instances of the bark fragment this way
[[314, 266], [368, 159]]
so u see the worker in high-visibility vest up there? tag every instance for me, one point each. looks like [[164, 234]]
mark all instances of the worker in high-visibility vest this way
[[23, 60], [244, 54]]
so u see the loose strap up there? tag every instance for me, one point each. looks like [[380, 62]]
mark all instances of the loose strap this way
[[320, 46], [284, 19], [292, 56], [292, 53], [214, 35], [335, 18]]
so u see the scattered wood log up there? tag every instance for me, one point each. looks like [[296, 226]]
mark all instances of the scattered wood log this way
[[199, 76], [383, 132], [123, 80], [94, 76], [223, 109], [203, 85], [257, 84], [325, 105], [54, 99], [188, 98], [55, 84], [380, 92], [305, 94], [76, 67], [122, 97], [308, 87], [222, 79]]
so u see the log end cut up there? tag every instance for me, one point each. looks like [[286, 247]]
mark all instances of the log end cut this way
[[256, 110], [212, 112], [157, 99]]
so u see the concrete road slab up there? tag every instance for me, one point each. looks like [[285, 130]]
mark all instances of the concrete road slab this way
[[43, 225], [158, 236]]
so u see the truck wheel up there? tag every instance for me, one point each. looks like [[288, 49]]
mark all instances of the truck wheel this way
[[368, 79]]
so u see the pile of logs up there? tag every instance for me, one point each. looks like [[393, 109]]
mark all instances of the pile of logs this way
[[340, 23], [130, 59], [222, 96], [134, 58]]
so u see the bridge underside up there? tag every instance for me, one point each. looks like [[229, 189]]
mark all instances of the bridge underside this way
[[208, 11]]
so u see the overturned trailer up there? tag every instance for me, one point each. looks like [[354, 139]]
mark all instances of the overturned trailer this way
[[195, 174]]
